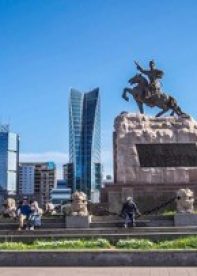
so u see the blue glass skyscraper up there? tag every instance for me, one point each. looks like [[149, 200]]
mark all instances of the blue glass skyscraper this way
[[84, 142], [9, 159]]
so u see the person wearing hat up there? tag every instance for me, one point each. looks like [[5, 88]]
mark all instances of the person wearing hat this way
[[129, 210]]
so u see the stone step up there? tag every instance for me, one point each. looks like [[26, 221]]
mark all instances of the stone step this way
[[139, 223], [84, 231], [149, 221], [61, 224], [146, 217], [154, 236], [14, 225], [102, 224], [44, 220], [97, 222]]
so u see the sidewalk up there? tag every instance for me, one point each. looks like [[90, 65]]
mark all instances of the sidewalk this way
[[109, 271]]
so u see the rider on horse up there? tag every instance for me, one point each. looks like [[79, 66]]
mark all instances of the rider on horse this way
[[153, 75], [147, 90]]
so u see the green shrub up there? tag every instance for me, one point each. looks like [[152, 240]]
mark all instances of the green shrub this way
[[71, 244], [181, 243], [99, 243], [13, 246], [168, 213], [62, 244], [135, 244]]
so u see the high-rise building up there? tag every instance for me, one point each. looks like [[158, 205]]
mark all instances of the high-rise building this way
[[61, 194], [84, 167], [9, 160], [26, 179], [68, 174], [36, 180]]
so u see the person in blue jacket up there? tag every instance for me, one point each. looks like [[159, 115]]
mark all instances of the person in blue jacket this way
[[23, 212]]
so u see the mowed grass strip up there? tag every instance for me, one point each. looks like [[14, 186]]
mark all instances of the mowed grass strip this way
[[55, 245], [127, 244], [143, 244]]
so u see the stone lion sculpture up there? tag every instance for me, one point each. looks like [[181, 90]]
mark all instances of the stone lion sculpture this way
[[79, 204], [50, 209], [9, 208], [185, 201]]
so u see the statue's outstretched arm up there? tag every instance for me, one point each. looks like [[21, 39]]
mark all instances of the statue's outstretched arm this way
[[139, 68]]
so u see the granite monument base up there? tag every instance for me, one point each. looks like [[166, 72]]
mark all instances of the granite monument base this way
[[185, 219], [77, 221], [154, 157]]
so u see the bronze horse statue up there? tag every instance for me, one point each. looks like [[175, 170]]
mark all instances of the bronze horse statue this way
[[158, 99]]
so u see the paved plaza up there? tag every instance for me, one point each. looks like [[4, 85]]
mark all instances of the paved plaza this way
[[97, 271]]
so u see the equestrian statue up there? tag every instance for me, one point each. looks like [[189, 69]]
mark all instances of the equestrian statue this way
[[147, 90]]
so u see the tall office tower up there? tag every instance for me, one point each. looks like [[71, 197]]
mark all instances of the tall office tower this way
[[36, 180], [9, 159], [26, 179], [84, 143]]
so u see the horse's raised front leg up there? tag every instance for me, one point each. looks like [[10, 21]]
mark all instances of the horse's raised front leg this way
[[140, 106], [124, 95]]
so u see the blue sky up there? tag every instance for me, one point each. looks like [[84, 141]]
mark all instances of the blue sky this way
[[49, 46]]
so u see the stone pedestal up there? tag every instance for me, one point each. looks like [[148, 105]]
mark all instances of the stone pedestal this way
[[117, 198], [185, 219], [77, 221], [155, 156]]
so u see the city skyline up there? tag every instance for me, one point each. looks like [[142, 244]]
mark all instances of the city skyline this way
[[54, 45]]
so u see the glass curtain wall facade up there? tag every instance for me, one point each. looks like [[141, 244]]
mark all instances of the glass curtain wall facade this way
[[75, 130], [9, 161], [84, 141]]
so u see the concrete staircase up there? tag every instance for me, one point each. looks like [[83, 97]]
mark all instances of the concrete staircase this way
[[47, 223], [97, 222], [145, 221], [113, 234], [110, 227]]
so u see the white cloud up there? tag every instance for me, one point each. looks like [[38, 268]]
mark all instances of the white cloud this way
[[57, 157]]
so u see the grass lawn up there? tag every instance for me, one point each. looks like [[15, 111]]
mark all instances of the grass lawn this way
[[127, 244]]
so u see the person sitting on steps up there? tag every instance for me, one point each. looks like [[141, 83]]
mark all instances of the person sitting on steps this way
[[23, 213], [34, 219], [129, 210]]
